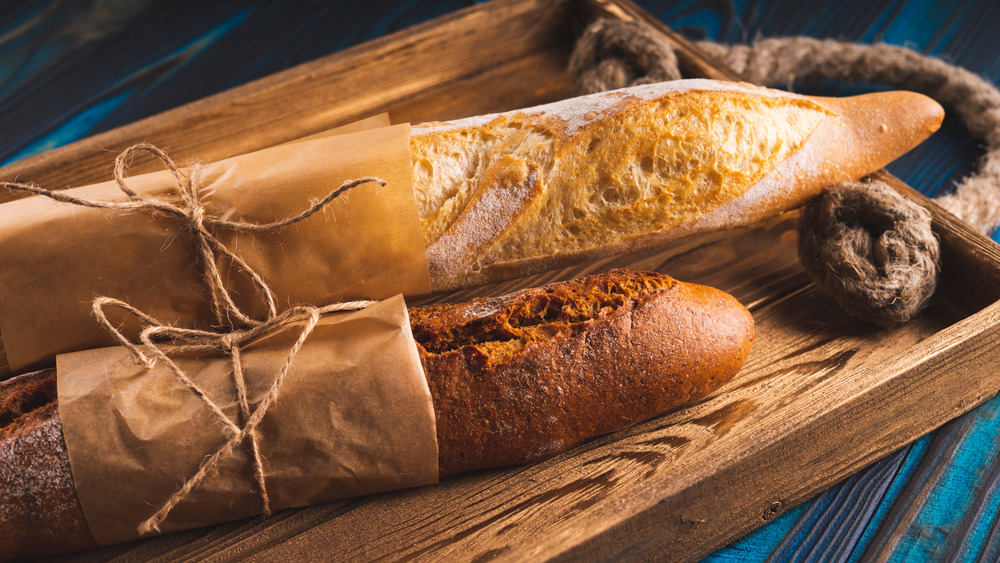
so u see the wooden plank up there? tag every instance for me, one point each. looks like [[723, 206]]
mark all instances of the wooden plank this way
[[971, 260], [495, 89], [820, 396]]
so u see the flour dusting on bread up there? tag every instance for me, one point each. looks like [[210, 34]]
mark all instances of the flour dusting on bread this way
[[613, 166], [624, 169]]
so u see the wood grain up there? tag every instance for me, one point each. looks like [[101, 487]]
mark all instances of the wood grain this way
[[820, 397]]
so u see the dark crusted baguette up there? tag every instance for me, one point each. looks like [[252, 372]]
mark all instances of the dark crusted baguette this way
[[523, 376], [513, 379]]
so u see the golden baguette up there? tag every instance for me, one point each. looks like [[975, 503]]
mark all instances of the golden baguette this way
[[509, 194]]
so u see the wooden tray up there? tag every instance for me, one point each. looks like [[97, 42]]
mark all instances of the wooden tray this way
[[820, 397]]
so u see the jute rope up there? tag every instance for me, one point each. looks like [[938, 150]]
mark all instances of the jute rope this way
[[872, 249], [612, 54], [236, 328], [615, 54]]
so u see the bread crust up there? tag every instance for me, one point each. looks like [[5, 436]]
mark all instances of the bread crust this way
[[646, 344], [513, 379], [39, 513], [632, 168]]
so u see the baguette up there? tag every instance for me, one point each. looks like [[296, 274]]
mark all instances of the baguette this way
[[513, 379], [501, 196]]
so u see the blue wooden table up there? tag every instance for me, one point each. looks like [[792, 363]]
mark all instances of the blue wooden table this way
[[69, 69]]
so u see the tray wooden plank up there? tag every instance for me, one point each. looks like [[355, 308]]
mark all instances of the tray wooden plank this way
[[820, 396]]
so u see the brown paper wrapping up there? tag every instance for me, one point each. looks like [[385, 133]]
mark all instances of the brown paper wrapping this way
[[354, 417], [57, 257], [372, 122]]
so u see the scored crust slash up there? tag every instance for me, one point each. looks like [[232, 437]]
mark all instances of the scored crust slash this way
[[500, 196], [513, 379]]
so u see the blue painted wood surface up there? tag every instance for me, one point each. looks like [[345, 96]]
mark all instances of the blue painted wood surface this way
[[69, 69]]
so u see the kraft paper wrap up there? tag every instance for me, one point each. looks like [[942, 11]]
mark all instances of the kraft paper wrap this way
[[354, 417], [373, 122], [57, 257]]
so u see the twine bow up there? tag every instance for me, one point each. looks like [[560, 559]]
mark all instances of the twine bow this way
[[237, 329], [190, 214]]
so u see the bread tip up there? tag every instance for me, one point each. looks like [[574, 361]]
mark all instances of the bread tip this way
[[904, 118], [875, 129], [922, 109]]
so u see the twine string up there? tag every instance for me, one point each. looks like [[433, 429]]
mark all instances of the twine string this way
[[190, 215], [308, 317], [157, 341]]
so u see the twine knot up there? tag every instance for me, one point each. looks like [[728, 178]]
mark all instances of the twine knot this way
[[190, 214], [871, 249], [227, 342], [236, 329]]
